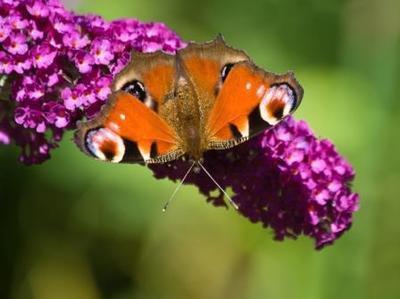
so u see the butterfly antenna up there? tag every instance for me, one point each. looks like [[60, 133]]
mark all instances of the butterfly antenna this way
[[178, 187], [218, 185]]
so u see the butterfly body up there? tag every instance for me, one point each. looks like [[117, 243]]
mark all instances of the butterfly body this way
[[184, 115], [207, 96]]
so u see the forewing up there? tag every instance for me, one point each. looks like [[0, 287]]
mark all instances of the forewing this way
[[249, 101], [237, 99], [133, 127], [204, 63]]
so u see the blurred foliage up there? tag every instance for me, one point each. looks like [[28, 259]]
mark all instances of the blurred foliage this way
[[77, 228]]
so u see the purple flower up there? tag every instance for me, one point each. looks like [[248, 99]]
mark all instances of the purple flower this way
[[72, 97], [43, 56], [21, 65], [75, 40], [120, 63], [96, 25], [101, 51], [16, 22], [53, 79], [88, 94], [4, 31], [16, 44], [6, 66], [31, 118], [56, 68], [83, 62], [38, 9], [34, 32], [62, 26], [57, 114], [103, 87]]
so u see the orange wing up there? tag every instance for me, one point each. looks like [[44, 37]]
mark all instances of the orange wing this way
[[156, 71], [128, 131], [203, 64], [237, 98], [133, 126], [249, 101]]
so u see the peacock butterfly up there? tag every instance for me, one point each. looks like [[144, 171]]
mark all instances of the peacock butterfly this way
[[207, 96]]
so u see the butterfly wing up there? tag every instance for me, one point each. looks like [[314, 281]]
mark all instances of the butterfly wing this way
[[249, 101], [204, 63], [131, 128], [238, 99]]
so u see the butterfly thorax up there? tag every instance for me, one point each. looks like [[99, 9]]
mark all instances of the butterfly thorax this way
[[188, 120]]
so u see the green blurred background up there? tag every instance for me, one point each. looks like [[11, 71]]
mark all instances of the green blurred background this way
[[77, 228]]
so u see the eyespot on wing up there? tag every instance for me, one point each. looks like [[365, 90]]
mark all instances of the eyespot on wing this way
[[104, 144]]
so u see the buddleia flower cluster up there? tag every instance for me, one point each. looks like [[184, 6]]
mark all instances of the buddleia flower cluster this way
[[56, 68]]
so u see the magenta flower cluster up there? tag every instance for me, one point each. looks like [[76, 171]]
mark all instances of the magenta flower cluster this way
[[56, 68]]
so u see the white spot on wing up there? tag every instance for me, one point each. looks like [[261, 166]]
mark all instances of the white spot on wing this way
[[260, 91], [245, 129], [265, 115], [149, 103], [122, 116], [248, 85], [144, 151], [114, 126], [289, 102]]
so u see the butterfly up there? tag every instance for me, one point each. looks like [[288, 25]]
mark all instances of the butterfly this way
[[207, 96]]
